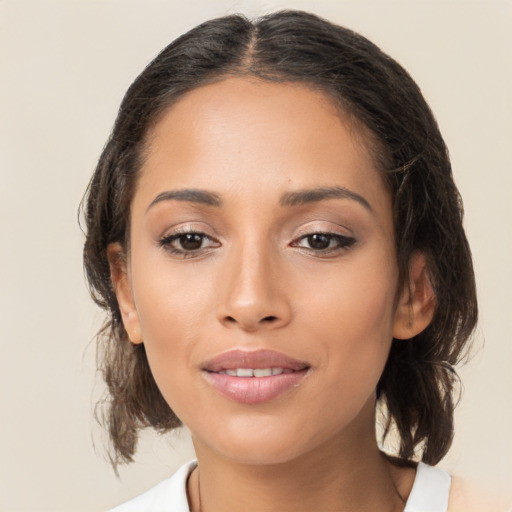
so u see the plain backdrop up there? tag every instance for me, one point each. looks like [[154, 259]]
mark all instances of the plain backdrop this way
[[64, 67]]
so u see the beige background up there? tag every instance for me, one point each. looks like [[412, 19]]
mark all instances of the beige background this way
[[63, 69]]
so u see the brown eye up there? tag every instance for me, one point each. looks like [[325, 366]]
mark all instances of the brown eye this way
[[324, 243], [188, 244], [190, 241], [318, 241]]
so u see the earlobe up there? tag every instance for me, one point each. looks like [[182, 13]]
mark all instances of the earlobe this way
[[417, 302], [122, 288]]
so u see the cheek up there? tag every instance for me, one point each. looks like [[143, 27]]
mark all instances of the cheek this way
[[356, 297], [172, 308], [170, 299], [352, 314]]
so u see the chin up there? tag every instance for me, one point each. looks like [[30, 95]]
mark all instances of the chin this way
[[249, 452], [258, 441]]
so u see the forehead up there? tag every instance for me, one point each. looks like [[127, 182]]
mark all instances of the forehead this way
[[257, 136]]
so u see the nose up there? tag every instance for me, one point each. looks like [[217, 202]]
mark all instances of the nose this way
[[253, 292]]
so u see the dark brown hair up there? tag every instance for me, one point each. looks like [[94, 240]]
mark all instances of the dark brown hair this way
[[416, 388]]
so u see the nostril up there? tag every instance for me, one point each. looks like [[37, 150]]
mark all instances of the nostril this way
[[251, 323]]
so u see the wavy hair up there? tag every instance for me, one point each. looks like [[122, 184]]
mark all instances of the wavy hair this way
[[417, 386]]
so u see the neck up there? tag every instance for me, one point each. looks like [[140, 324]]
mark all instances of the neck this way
[[347, 473]]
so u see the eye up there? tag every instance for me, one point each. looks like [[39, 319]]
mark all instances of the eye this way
[[324, 242], [188, 244]]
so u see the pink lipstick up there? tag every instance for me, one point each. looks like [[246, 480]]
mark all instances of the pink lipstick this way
[[253, 377]]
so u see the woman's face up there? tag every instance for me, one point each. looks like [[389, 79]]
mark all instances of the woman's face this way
[[262, 271]]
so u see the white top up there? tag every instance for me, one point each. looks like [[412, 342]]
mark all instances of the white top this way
[[429, 493]]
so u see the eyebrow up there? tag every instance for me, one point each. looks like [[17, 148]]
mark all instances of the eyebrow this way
[[314, 195], [296, 198], [191, 195]]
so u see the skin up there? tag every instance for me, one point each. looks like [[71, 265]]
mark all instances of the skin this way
[[256, 282]]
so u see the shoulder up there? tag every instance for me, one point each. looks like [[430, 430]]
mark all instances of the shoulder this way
[[172, 491], [466, 496], [435, 490]]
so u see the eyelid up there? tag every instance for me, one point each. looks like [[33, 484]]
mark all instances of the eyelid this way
[[325, 227], [184, 228]]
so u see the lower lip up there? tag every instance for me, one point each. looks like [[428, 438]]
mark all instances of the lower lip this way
[[254, 390]]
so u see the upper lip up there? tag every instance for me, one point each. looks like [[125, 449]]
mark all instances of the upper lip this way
[[255, 359]]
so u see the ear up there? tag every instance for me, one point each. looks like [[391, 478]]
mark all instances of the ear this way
[[417, 302], [122, 288]]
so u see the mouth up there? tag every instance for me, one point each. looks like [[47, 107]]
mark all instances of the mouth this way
[[257, 361], [254, 377], [255, 372]]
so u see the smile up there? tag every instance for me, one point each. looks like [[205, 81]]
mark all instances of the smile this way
[[256, 372], [254, 377]]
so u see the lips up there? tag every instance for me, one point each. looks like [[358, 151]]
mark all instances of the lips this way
[[257, 359], [252, 377]]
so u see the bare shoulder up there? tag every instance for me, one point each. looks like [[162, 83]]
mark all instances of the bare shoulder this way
[[465, 496]]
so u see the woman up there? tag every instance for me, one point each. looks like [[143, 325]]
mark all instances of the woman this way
[[274, 231]]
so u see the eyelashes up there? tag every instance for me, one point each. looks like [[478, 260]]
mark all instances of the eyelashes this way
[[190, 243], [324, 243]]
